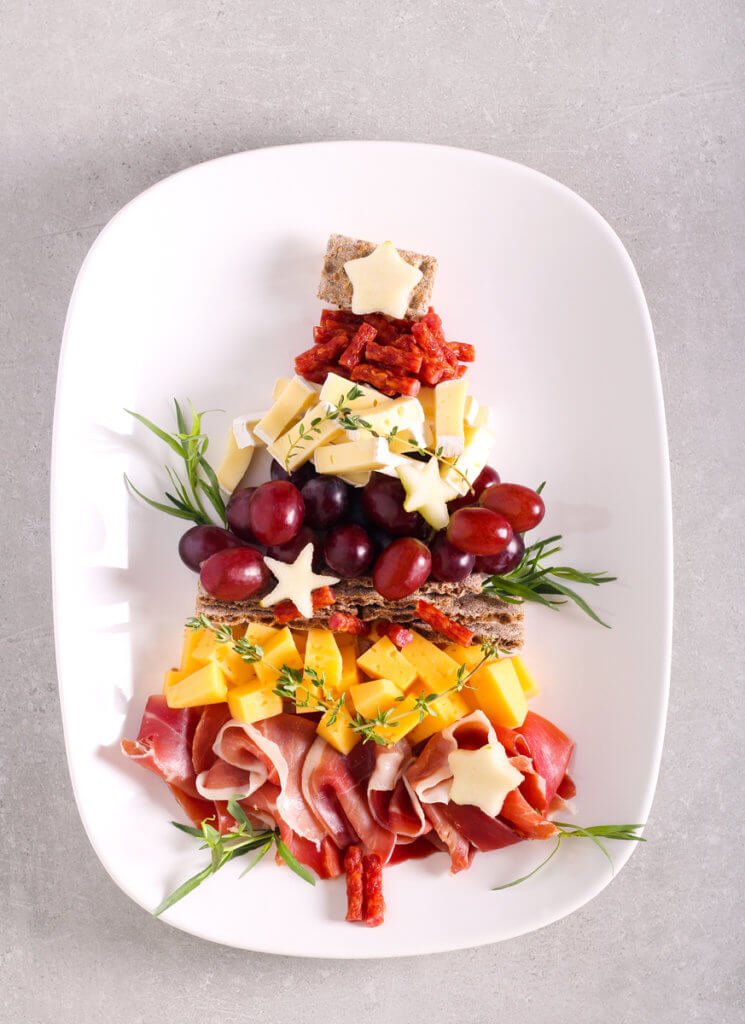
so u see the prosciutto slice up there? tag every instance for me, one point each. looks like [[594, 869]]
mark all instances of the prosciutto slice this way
[[164, 743], [549, 749], [393, 803]]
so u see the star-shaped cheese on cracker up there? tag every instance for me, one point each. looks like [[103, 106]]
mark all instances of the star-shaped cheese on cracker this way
[[426, 491], [296, 582], [382, 282], [482, 777]]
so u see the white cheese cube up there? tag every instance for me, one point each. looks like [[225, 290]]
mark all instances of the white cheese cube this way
[[396, 414], [336, 388], [479, 441], [354, 456], [295, 447], [450, 400], [234, 464], [279, 385], [471, 411], [426, 398], [356, 479], [296, 396], [243, 430]]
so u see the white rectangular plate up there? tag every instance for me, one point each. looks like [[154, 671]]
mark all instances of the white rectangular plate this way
[[204, 287]]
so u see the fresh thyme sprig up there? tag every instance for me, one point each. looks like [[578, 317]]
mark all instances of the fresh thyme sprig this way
[[593, 832], [238, 841], [348, 419], [190, 444], [306, 688], [531, 580]]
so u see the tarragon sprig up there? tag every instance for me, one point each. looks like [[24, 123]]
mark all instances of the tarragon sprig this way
[[238, 841], [190, 444], [593, 832], [532, 580]]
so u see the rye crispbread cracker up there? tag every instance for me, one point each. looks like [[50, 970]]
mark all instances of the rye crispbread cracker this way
[[336, 288], [488, 617]]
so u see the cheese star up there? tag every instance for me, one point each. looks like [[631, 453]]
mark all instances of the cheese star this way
[[382, 282], [295, 582], [426, 491], [482, 777]]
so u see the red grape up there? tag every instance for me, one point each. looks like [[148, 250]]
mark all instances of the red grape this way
[[486, 478], [479, 531], [449, 565], [383, 501], [275, 513], [198, 543], [234, 574], [401, 568], [348, 551], [463, 501], [505, 561], [289, 551], [521, 507], [236, 513], [326, 501]]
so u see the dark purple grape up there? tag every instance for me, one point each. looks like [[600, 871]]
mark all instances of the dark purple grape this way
[[236, 513], [289, 551], [486, 478], [348, 551], [380, 538], [383, 502], [355, 512], [326, 501], [449, 565], [301, 475], [505, 561], [198, 543]]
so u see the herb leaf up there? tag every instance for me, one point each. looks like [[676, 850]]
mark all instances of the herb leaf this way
[[293, 863]]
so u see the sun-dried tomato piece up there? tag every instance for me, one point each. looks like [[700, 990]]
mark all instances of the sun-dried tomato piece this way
[[339, 316], [322, 355], [427, 341], [323, 334], [434, 322], [407, 344], [462, 350], [374, 911], [398, 635], [385, 380], [387, 355], [386, 327], [355, 883], [460, 370], [340, 622], [431, 371], [439, 621], [355, 351], [286, 611]]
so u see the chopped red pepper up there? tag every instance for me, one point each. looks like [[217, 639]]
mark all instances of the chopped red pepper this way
[[355, 351], [286, 611], [374, 903], [385, 380], [462, 350], [355, 887], [340, 622], [387, 355], [439, 621], [395, 633]]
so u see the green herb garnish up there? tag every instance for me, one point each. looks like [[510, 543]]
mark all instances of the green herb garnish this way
[[594, 833], [190, 444]]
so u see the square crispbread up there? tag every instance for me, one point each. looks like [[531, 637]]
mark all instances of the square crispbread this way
[[336, 288], [489, 618]]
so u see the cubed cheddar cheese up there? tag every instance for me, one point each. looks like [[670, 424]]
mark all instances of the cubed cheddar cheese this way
[[384, 661], [468, 656], [349, 672], [300, 636], [172, 676], [436, 669], [339, 733], [205, 686], [497, 691], [405, 717], [192, 638], [374, 696], [237, 671], [253, 702], [447, 709], [530, 689], [279, 651]]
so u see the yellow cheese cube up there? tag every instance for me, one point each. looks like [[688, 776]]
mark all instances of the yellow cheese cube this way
[[205, 686], [279, 385], [339, 734], [300, 636], [237, 671], [253, 702], [436, 669], [335, 390], [427, 401], [497, 691], [468, 656], [279, 651], [192, 638], [403, 719], [349, 671], [295, 398], [172, 676], [384, 661], [234, 464], [528, 684], [447, 709], [323, 656], [260, 634], [377, 695], [293, 449]]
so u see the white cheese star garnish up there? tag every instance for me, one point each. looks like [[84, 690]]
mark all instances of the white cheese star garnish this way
[[426, 491], [382, 282], [296, 581], [482, 777]]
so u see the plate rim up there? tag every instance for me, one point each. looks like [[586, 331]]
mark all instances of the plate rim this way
[[667, 554]]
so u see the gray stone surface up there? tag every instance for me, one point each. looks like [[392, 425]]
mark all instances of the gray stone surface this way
[[637, 106]]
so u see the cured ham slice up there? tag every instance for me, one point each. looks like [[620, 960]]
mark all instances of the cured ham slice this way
[[393, 803], [549, 750], [273, 751], [164, 743], [213, 718]]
